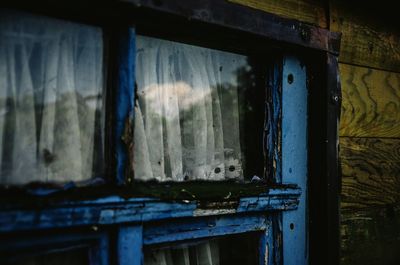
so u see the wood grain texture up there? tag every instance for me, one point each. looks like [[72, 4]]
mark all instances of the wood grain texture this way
[[371, 102], [370, 36], [371, 237], [309, 11], [370, 173]]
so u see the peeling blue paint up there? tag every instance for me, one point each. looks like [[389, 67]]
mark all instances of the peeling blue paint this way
[[116, 210], [273, 112], [266, 246], [125, 96]]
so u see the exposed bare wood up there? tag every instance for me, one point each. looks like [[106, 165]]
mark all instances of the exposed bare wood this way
[[309, 11], [371, 102], [367, 38], [370, 173]]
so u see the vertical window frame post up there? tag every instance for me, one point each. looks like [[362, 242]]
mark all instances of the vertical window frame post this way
[[125, 100]]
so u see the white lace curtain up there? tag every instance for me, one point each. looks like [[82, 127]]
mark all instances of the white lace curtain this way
[[186, 112], [51, 83], [206, 253]]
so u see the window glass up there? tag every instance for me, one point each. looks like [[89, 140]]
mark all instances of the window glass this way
[[191, 109], [75, 257], [234, 249], [51, 99]]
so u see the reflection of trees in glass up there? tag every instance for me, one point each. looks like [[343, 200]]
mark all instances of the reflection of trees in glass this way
[[251, 81], [87, 127]]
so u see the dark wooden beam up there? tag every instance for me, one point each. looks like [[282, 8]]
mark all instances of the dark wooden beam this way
[[233, 16], [324, 179], [333, 173]]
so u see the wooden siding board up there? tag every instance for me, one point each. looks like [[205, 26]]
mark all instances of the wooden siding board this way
[[370, 124], [371, 237], [367, 39], [371, 173], [312, 12], [371, 102]]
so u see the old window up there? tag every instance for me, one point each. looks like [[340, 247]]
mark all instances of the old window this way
[[51, 99], [212, 127]]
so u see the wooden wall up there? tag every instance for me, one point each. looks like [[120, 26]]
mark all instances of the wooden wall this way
[[370, 133], [370, 121]]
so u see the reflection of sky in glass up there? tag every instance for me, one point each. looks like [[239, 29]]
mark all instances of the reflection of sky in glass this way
[[187, 95], [182, 79]]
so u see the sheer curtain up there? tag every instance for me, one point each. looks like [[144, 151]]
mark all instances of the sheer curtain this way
[[51, 83], [206, 253], [186, 112]]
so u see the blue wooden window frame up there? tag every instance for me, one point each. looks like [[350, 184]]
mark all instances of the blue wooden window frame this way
[[132, 215], [293, 158], [140, 221]]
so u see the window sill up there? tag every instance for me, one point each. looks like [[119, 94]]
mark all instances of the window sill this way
[[111, 210]]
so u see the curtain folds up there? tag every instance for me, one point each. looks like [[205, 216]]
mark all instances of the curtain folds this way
[[206, 253], [186, 112], [51, 83]]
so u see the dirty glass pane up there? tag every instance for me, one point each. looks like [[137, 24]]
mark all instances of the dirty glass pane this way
[[199, 114], [71, 257], [235, 249], [51, 99]]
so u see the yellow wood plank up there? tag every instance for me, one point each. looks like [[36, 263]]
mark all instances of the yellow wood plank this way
[[370, 237], [370, 173], [367, 40], [309, 11], [371, 102], [370, 198]]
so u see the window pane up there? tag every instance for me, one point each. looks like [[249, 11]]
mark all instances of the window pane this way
[[235, 249], [51, 99], [192, 106], [72, 257]]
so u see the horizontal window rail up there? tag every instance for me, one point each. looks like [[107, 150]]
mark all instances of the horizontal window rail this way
[[116, 210], [202, 228]]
